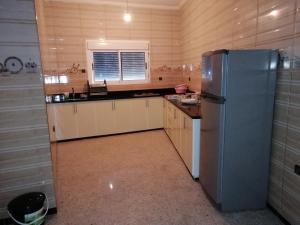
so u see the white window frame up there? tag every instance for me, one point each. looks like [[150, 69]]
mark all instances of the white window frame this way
[[117, 46]]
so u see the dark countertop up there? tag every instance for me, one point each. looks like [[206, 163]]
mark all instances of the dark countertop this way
[[193, 111], [112, 95]]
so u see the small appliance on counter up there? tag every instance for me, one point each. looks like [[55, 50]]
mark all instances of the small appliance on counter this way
[[55, 98], [97, 89]]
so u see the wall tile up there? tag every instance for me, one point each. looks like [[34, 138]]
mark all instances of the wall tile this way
[[70, 25], [239, 24], [25, 157]]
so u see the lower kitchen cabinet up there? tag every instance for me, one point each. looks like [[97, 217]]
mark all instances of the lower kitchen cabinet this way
[[124, 115], [138, 115], [175, 128], [184, 132], [186, 147], [104, 117], [51, 122], [71, 120], [155, 113], [65, 121], [165, 113], [173, 124], [87, 119], [167, 117], [190, 143]]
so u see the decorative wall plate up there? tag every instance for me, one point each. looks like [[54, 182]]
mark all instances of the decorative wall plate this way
[[31, 67], [13, 64]]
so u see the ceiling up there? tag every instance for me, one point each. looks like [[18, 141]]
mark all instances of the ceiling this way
[[162, 4]]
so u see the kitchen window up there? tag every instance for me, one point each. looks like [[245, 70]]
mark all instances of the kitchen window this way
[[118, 62]]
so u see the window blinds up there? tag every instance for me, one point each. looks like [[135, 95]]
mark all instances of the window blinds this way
[[106, 66], [114, 66], [133, 65]]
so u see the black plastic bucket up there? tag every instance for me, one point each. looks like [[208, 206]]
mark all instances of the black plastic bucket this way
[[28, 209]]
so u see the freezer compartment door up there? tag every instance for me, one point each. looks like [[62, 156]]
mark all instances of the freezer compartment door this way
[[212, 122], [214, 74]]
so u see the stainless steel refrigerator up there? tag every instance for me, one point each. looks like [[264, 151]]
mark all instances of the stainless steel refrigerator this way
[[238, 89]]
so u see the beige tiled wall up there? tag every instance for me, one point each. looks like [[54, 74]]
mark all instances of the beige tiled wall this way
[[25, 157], [64, 29], [179, 37], [214, 24]]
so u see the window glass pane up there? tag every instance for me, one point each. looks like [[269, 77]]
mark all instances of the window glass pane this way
[[106, 66], [60, 79], [133, 65]]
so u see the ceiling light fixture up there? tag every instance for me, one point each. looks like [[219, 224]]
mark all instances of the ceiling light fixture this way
[[274, 13], [127, 16]]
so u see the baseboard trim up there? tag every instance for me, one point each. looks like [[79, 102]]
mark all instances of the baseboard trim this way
[[282, 219], [107, 135]]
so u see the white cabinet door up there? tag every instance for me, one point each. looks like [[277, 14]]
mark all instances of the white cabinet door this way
[[187, 140], [184, 133], [123, 115], [173, 129], [85, 116], [86, 119], [155, 113], [65, 121], [170, 120], [165, 106], [138, 114], [51, 121], [105, 117], [177, 128]]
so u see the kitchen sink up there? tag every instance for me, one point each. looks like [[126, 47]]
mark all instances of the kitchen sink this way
[[145, 94]]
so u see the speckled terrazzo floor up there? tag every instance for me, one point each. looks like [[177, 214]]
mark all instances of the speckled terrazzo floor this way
[[134, 179]]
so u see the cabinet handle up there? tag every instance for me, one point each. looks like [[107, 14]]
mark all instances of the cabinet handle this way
[[53, 128], [183, 122], [74, 109], [147, 103], [174, 114]]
